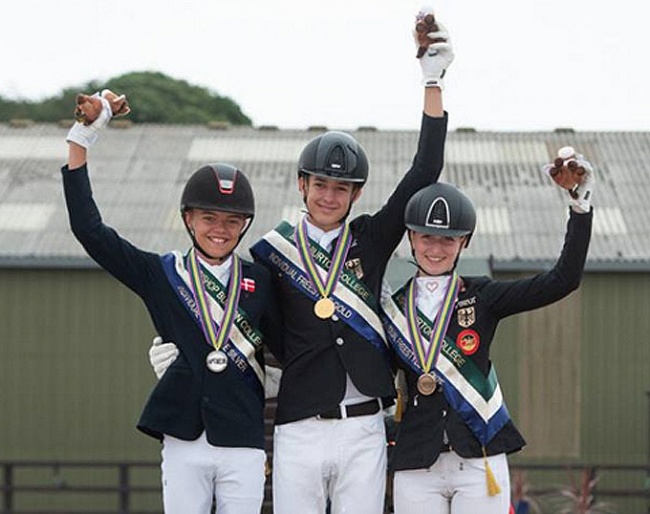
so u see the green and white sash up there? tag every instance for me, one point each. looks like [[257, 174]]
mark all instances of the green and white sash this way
[[475, 397]]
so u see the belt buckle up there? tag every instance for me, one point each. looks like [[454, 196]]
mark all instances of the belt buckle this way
[[328, 416]]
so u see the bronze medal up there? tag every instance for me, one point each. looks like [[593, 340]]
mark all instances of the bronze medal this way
[[426, 384], [324, 308], [427, 357], [216, 361]]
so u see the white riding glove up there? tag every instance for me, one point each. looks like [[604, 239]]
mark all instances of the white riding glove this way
[[161, 356], [87, 135], [579, 196], [582, 203], [438, 56]]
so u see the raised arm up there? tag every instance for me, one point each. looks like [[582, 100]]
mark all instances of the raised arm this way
[[386, 225], [119, 257], [510, 297]]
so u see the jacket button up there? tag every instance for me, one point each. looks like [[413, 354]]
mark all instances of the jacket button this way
[[339, 341], [334, 317], [444, 413]]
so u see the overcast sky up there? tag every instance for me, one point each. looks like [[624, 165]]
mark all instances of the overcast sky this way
[[520, 64]]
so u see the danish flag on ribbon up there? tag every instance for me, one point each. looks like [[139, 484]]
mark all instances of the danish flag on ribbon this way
[[248, 284]]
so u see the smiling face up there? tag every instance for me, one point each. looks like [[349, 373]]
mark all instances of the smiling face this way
[[216, 233], [435, 254], [328, 201]]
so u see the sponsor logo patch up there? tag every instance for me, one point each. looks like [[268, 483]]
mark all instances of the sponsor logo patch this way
[[468, 341]]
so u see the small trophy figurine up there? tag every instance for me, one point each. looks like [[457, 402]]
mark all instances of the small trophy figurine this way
[[566, 172], [90, 106], [425, 23]]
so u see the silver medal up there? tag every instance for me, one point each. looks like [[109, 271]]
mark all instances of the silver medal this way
[[216, 361]]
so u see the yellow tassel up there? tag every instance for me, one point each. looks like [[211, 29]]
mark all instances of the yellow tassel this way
[[399, 407], [492, 487]]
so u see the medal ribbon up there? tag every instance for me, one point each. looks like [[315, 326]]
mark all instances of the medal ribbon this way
[[355, 303], [216, 335], [429, 357], [338, 258], [475, 397]]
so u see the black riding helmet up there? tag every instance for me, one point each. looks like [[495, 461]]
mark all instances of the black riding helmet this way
[[218, 187], [441, 209], [334, 155]]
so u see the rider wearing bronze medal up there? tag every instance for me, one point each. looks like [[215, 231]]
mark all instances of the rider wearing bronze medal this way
[[446, 448], [209, 417]]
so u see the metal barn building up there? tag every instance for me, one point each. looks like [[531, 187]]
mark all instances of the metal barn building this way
[[74, 370]]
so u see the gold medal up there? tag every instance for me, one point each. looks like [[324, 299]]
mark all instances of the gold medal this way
[[426, 384], [324, 308]]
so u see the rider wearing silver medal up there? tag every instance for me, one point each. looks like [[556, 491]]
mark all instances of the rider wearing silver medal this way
[[209, 417]]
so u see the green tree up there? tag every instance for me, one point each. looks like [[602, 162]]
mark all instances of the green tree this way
[[154, 98]]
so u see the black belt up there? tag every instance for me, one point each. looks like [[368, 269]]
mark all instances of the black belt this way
[[352, 411]]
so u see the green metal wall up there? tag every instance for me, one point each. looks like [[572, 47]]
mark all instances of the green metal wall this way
[[74, 375], [613, 335], [74, 372], [586, 363]]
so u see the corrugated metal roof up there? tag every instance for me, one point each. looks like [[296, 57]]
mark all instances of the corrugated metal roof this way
[[493, 220], [255, 149], [138, 174], [27, 217]]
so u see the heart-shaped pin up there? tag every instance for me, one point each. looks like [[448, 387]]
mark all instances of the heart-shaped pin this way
[[431, 286]]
